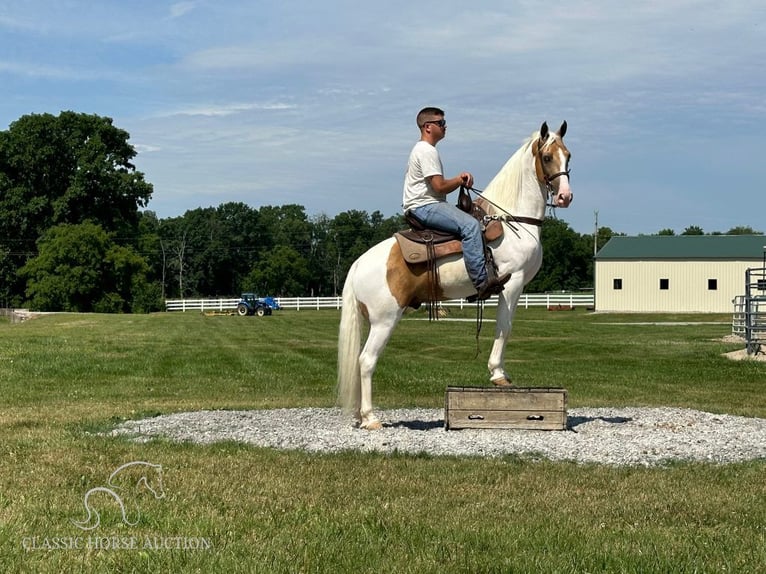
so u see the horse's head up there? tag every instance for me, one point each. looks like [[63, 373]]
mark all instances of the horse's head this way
[[153, 480], [552, 164], [137, 474]]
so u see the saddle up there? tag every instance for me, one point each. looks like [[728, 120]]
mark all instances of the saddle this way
[[419, 244]]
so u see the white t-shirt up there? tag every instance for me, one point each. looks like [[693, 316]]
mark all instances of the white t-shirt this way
[[424, 162]]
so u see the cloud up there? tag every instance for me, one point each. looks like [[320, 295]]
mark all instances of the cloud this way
[[52, 72], [314, 102], [230, 109], [179, 9], [144, 149]]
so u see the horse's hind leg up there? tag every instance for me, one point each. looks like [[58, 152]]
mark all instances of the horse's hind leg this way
[[380, 333]]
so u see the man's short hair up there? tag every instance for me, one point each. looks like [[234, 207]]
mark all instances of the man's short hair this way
[[428, 114]]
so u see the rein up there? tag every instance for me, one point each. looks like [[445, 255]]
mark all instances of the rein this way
[[509, 219], [507, 216]]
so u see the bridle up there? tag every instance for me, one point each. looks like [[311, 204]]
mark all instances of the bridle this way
[[549, 179], [509, 217]]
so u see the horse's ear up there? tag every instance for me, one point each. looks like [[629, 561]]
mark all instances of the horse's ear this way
[[544, 131], [563, 129]]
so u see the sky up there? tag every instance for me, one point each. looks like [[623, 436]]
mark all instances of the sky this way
[[313, 102]]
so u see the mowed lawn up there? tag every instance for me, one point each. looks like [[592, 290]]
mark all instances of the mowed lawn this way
[[232, 508]]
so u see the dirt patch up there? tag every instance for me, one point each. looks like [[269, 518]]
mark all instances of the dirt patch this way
[[742, 355]]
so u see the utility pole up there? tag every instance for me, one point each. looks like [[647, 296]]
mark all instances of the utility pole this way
[[595, 233]]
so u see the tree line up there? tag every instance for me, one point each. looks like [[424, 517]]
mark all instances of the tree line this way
[[79, 237]]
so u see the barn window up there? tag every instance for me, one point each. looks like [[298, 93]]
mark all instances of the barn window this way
[[664, 284], [712, 284], [617, 284]]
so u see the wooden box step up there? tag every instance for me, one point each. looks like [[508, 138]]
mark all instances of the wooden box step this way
[[532, 408]]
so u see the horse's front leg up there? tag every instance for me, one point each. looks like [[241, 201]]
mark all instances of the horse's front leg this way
[[506, 309]]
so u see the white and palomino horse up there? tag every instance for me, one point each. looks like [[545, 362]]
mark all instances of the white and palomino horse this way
[[380, 285]]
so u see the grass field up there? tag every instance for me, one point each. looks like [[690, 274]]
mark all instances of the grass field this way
[[233, 508]]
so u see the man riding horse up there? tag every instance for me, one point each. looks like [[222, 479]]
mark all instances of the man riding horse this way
[[382, 282], [425, 200]]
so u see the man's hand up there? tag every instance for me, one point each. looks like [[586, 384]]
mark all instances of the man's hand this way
[[445, 186]]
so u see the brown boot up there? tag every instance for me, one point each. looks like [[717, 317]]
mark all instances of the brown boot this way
[[492, 286]]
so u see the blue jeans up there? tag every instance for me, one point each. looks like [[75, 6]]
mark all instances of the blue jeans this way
[[446, 217]]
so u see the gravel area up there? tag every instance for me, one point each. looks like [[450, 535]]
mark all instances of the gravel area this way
[[612, 436]]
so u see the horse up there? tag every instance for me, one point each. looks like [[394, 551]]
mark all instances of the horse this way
[[380, 285]]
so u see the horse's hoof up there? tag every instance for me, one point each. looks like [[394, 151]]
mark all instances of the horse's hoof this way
[[372, 425], [502, 382]]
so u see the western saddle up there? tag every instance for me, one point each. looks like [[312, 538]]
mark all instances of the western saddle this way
[[420, 245]]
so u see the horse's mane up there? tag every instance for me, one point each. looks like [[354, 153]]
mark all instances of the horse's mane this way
[[505, 187]]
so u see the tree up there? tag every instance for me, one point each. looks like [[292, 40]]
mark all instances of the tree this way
[[604, 235], [65, 169], [69, 169], [238, 224], [567, 259], [693, 230], [743, 230], [208, 251], [351, 234], [286, 225], [322, 258], [283, 272], [149, 244], [80, 269]]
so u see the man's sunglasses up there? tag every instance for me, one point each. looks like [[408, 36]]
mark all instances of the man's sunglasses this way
[[440, 123]]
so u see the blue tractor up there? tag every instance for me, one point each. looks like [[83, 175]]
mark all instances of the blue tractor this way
[[250, 304], [273, 303]]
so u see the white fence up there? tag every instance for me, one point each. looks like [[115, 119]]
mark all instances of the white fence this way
[[299, 303]]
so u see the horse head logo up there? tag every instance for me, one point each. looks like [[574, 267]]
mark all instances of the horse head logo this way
[[149, 477]]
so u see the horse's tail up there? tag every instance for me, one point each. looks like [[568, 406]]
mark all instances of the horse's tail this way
[[349, 347]]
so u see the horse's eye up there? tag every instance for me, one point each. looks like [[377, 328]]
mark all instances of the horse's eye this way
[[547, 158]]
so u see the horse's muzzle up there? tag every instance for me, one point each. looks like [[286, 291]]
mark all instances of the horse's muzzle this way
[[564, 195], [563, 199]]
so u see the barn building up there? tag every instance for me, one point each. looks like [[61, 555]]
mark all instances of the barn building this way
[[675, 274]]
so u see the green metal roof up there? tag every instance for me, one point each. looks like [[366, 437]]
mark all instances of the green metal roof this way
[[684, 247]]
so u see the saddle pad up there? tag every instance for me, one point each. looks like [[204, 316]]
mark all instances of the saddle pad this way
[[414, 252]]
